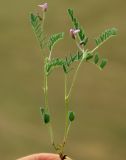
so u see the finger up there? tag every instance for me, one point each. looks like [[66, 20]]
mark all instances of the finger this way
[[42, 156]]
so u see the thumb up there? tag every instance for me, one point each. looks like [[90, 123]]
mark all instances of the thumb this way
[[41, 156]]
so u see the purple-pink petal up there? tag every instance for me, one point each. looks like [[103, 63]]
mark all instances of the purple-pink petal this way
[[44, 6], [73, 32], [76, 31]]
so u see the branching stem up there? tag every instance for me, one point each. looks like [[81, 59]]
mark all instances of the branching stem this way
[[76, 72], [67, 96]]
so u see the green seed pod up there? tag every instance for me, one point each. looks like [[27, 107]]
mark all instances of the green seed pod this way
[[46, 118], [71, 116]]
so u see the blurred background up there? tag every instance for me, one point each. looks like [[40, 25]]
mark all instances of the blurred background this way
[[98, 98]]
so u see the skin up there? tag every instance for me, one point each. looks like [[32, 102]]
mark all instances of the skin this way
[[41, 156]]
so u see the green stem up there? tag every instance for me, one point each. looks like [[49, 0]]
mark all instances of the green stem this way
[[50, 55], [78, 45], [51, 135], [76, 72], [43, 20], [46, 105], [93, 50], [66, 116], [74, 79], [75, 76], [68, 128], [67, 95], [46, 92], [66, 108]]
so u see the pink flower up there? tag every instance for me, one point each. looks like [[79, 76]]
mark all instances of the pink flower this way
[[44, 6], [73, 32]]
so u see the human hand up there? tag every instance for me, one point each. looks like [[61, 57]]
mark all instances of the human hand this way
[[41, 156]]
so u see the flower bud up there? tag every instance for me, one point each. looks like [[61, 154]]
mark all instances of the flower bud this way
[[44, 6]]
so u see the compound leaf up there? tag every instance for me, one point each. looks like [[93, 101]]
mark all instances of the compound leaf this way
[[106, 35], [54, 39], [36, 23]]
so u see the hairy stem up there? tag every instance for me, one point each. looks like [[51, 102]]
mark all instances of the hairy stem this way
[[66, 109], [46, 91], [76, 72], [66, 116], [43, 19], [50, 55], [74, 79], [47, 107]]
